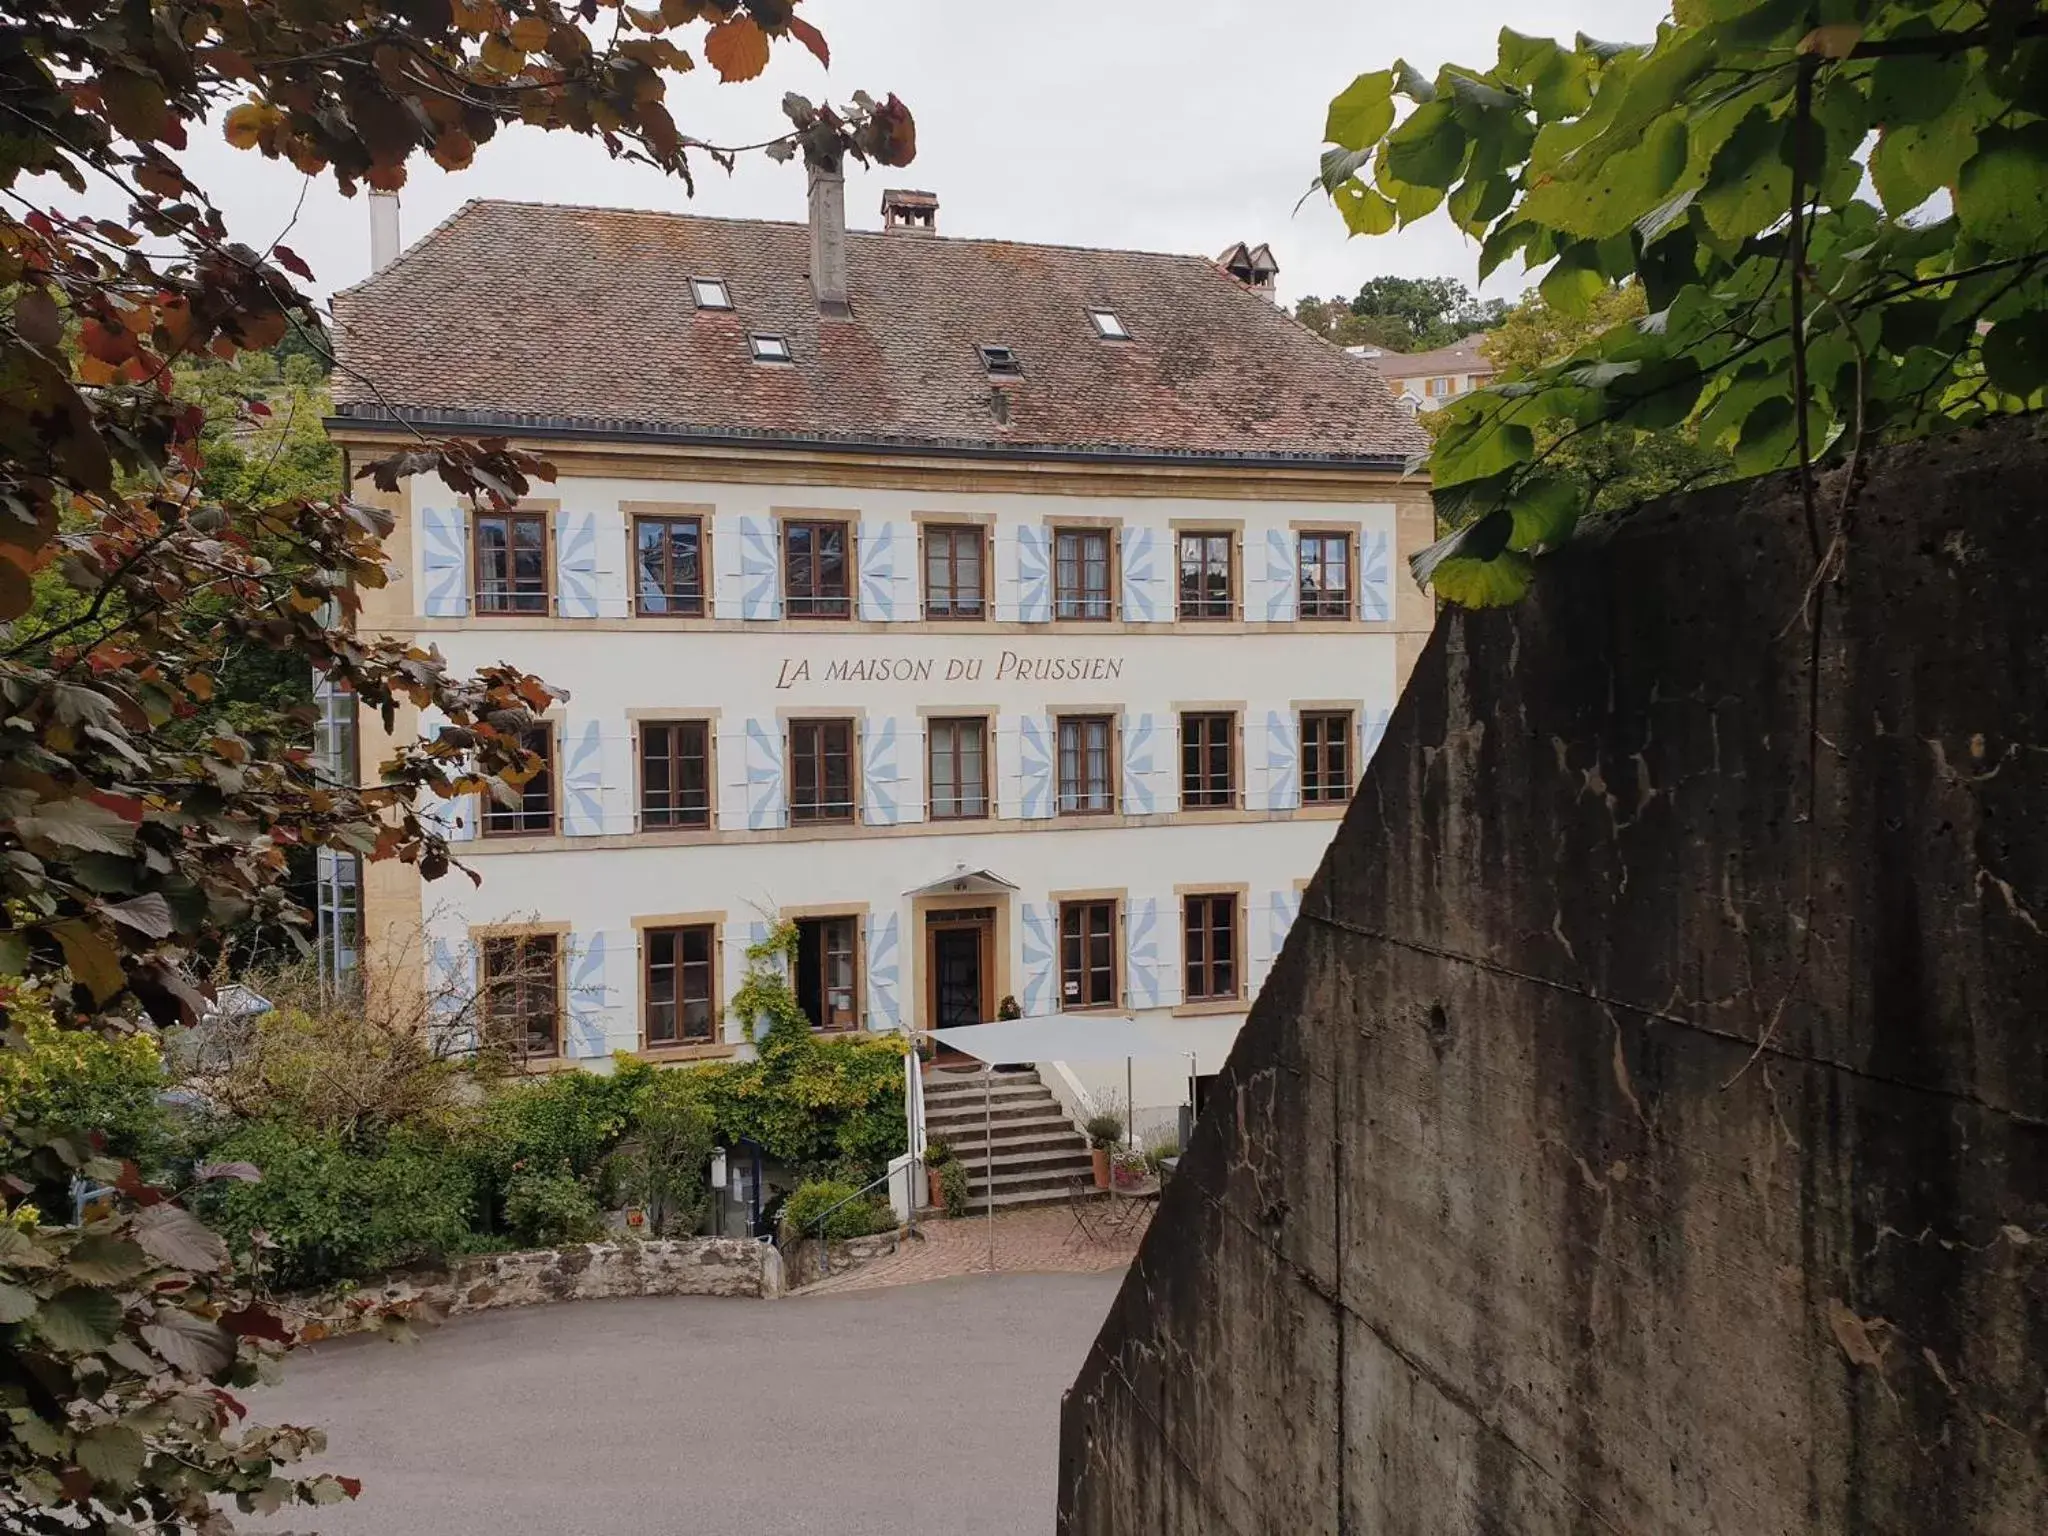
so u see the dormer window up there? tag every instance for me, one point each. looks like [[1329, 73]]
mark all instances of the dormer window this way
[[767, 348], [710, 293], [1108, 326], [1001, 362]]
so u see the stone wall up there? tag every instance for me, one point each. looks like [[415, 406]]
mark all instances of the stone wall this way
[[1646, 1127], [704, 1266], [803, 1261]]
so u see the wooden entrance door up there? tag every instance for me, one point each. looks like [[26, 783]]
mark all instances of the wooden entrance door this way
[[959, 968]]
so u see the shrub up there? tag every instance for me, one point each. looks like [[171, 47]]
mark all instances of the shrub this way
[[938, 1152], [570, 1121], [953, 1188], [852, 1218], [73, 1083], [1105, 1129], [548, 1209], [333, 1210], [661, 1166]]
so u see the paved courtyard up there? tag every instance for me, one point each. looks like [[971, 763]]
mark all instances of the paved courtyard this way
[[900, 1410], [1038, 1239]]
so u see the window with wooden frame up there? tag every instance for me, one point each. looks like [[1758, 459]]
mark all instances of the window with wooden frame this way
[[1081, 574], [511, 555], [534, 815], [956, 753], [1209, 936], [1087, 955], [1208, 757], [820, 770], [676, 985], [675, 774], [828, 971], [1325, 756], [1087, 766], [955, 572], [521, 980], [1325, 576], [817, 569], [668, 566], [1205, 576]]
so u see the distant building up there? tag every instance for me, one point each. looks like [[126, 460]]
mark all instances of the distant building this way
[[1425, 380], [1014, 619]]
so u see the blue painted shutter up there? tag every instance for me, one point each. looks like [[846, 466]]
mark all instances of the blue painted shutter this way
[[1035, 751], [583, 782], [444, 562], [884, 956], [881, 782], [1283, 575], [576, 564], [448, 982], [1041, 960], [766, 806], [760, 570], [1373, 730], [1141, 953], [1146, 750], [887, 553], [457, 816], [1283, 753], [592, 1001], [1148, 595], [613, 557], [1034, 576], [1375, 578], [1282, 907]]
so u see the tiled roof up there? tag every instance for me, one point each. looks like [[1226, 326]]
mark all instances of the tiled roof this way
[[1459, 357], [537, 315]]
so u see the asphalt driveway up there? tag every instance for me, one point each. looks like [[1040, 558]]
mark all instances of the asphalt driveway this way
[[897, 1412]]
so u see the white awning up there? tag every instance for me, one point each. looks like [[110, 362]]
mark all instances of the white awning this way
[[1060, 1037]]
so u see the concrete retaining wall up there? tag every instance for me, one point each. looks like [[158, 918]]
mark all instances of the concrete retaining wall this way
[[1645, 1128], [709, 1266]]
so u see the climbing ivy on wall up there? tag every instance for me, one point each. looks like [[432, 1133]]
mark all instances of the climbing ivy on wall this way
[[1833, 207]]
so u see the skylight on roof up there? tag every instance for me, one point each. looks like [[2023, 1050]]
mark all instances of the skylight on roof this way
[[767, 348], [1108, 326], [1000, 361], [710, 293]]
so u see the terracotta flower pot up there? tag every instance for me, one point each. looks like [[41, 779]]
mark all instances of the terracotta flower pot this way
[[935, 1182], [1101, 1156]]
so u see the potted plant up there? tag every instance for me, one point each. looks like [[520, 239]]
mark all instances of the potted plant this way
[[1008, 1008], [938, 1157], [1104, 1130], [1128, 1169], [953, 1188]]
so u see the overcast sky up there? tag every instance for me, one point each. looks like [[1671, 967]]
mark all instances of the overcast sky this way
[[1171, 125]]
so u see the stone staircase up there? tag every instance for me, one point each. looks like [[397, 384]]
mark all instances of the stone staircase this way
[[1023, 1131]]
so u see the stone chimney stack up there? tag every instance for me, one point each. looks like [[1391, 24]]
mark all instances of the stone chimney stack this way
[[383, 230], [828, 238], [909, 212]]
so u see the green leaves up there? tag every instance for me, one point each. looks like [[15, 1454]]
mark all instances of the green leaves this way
[[1671, 170], [78, 1318], [1362, 114], [2003, 188]]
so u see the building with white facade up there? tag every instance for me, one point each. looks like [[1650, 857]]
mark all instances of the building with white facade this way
[[1423, 381], [1016, 619]]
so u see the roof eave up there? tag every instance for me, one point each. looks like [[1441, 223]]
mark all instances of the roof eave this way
[[377, 419]]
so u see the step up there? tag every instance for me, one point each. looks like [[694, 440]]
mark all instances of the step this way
[[997, 1093], [1052, 1176], [950, 1080], [954, 1121], [1043, 1141], [1018, 1161]]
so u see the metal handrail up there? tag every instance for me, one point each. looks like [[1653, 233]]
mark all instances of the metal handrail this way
[[818, 1222]]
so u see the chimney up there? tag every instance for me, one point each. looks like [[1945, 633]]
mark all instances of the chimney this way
[[383, 230], [828, 238], [910, 212], [1254, 267]]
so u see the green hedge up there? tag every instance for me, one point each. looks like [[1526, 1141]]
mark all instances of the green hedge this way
[[330, 1210], [852, 1218]]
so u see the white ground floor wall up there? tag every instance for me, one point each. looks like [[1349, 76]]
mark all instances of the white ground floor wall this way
[[603, 899]]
